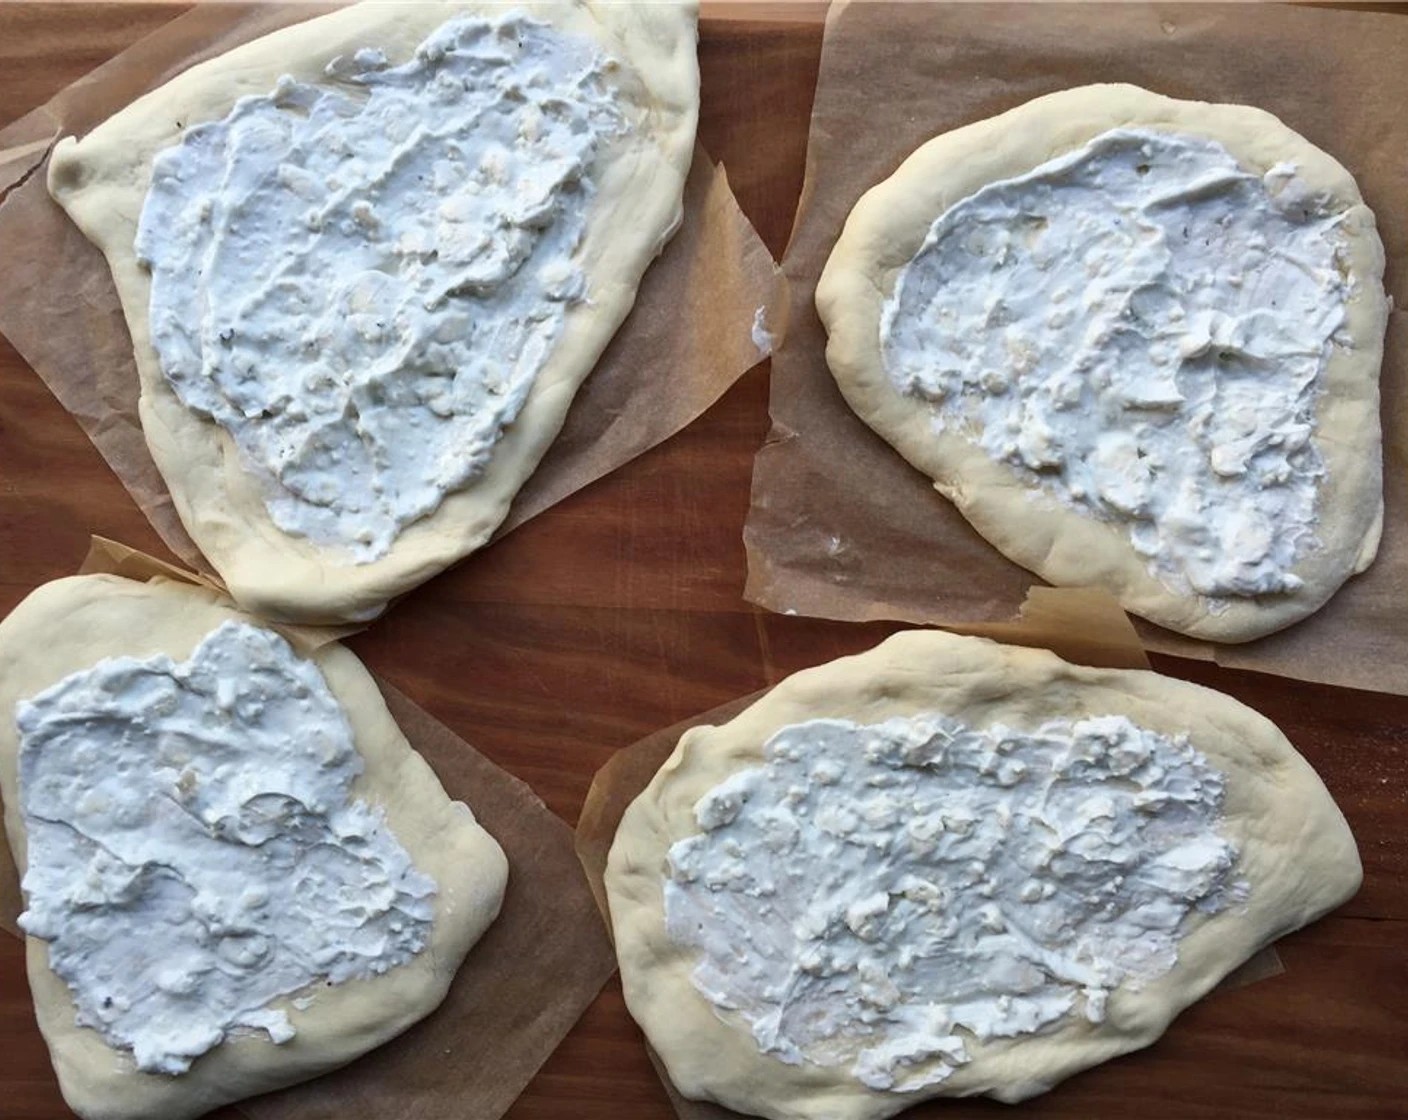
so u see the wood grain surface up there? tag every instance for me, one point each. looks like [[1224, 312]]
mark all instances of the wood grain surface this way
[[619, 611]]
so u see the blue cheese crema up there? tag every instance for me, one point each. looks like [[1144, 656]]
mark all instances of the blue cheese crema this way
[[195, 851], [360, 280], [875, 897], [1139, 328]]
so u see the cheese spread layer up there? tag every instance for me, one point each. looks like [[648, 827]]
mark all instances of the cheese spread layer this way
[[195, 850], [1139, 329], [878, 897], [360, 280]]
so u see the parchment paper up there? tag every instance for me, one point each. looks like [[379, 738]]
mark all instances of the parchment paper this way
[[842, 527], [519, 991], [1083, 626], [689, 337]]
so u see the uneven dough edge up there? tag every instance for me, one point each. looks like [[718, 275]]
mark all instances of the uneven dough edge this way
[[101, 181], [1066, 548], [72, 623], [1297, 853]]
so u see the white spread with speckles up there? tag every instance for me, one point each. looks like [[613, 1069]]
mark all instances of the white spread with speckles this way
[[1139, 328], [194, 849], [361, 280], [876, 897]]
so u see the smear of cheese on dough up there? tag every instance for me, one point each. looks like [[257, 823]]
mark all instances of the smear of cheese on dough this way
[[360, 280], [195, 850], [877, 897], [1139, 329]]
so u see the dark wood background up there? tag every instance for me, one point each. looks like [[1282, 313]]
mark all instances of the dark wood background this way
[[619, 612]]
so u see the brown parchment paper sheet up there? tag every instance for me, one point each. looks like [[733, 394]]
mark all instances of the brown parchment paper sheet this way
[[842, 527], [689, 337], [519, 991], [1081, 625]]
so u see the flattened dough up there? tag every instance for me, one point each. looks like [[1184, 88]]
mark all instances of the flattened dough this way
[[69, 625], [101, 181], [1297, 856], [1062, 545]]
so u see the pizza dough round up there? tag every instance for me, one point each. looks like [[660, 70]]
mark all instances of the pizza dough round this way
[[102, 180], [71, 624], [1062, 544], [1297, 858]]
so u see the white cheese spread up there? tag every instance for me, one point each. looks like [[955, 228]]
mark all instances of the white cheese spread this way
[[876, 897], [1139, 329], [195, 851], [360, 280]]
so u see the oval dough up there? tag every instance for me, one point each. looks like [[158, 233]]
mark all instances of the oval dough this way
[[1065, 547], [71, 624], [101, 181], [1297, 855]]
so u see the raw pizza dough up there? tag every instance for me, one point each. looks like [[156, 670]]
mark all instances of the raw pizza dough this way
[[888, 226], [1297, 857], [101, 181], [69, 625]]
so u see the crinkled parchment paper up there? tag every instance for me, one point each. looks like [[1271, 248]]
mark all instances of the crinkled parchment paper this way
[[1083, 626], [519, 991], [842, 527], [689, 337]]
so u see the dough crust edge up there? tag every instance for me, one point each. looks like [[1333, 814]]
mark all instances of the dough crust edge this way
[[1297, 854], [101, 181], [70, 624], [1065, 547]]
